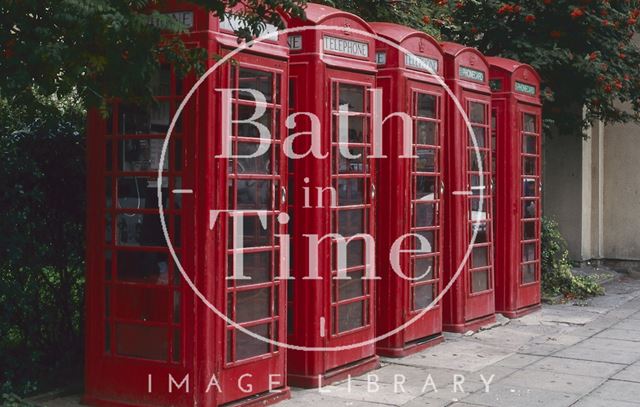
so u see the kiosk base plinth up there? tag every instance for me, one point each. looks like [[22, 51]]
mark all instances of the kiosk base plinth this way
[[472, 325], [411, 347], [521, 312], [353, 369]]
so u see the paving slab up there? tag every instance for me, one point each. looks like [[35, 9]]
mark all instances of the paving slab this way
[[584, 352], [518, 361], [631, 324], [619, 390], [553, 381], [372, 392], [630, 374], [577, 367], [592, 401], [622, 334], [318, 400], [503, 395]]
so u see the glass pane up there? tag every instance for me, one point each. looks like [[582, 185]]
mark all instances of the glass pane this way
[[423, 268], [107, 337], [247, 346], [355, 128], [428, 246], [480, 257], [528, 230], [257, 266], [177, 144], [141, 192], [141, 303], [474, 163], [137, 120], [529, 187], [177, 345], [136, 229], [250, 129], [426, 105], [528, 273], [478, 189], [108, 228], [257, 80], [478, 214], [108, 155], [425, 215], [426, 161], [108, 192], [355, 255], [480, 135], [353, 96], [352, 165], [529, 209], [528, 252], [350, 222], [141, 155], [425, 188], [143, 267], [530, 123], [255, 165], [254, 194], [477, 113], [529, 166], [161, 81], [177, 308], [351, 288], [350, 191], [426, 133], [479, 281], [350, 316], [107, 264], [252, 305], [529, 144], [422, 296], [255, 234], [147, 342], [483, 233]]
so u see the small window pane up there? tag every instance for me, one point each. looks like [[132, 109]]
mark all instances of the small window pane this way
[[141, 155], [107, 264], [529, 187], [177, 345], [426, 105], [108, 228], [480, 257], [147, 342], [133, 302], [483, 233], [528, 273], [423, 268], [351, 191], [480, 135], [108, 155], [426, 161], [133, 120], [425, 187], [352, 165], [350, 316], [355, 254], [161, 81], [140, 192], [257, 80], [529, 252], [529, 209], [350, 222], [136, 229], [528, 230], [351, 288], [254, 194], [250, 129], [353, 96], [475, 158], [477, 113], [479, 281], [247, 346], [252, 305], [530, 123], [354, 131], [426, 133], [257, 267], [529, 166], [529, 144], [108, 192], [422, 296], [425, 215], [142, 267], [428, 246]]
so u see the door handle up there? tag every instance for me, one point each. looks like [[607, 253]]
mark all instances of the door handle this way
[[283, 195], [373, 191], [441, 188]]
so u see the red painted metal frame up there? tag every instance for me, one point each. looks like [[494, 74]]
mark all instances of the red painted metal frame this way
[[464, 309], [315, 306], [396, 211], [518, 187], [199, 336]]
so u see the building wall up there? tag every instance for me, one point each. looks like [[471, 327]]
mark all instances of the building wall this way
[[622, 192]]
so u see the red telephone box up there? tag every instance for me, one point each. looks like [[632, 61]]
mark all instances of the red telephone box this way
[[469, 303], [516, 127], [150, 341], [411, 190], [332, 195]]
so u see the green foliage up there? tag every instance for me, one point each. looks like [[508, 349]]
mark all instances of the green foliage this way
[[103, 48], [582, 49], [42, 198], [557, 278]]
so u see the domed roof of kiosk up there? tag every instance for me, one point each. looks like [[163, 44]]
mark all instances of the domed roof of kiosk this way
[[317, 13], [399, 33], [454, 49], [510, 65]]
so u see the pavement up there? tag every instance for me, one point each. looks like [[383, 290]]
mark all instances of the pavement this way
[[581, 354]]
